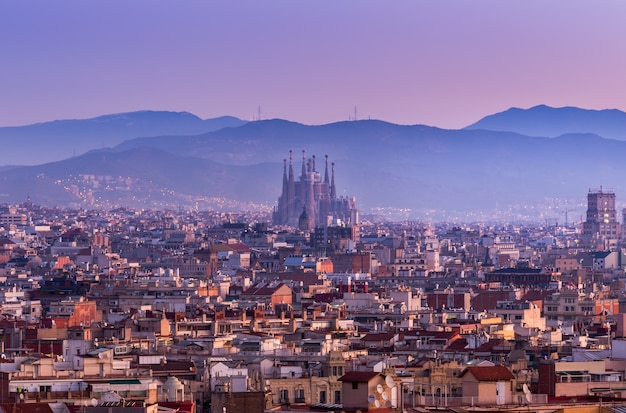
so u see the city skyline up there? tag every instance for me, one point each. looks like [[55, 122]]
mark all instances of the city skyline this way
[[444, 65]]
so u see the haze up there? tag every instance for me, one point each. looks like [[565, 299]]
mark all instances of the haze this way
[[444, 64]]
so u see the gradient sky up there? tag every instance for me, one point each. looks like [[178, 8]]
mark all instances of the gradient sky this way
[[441, 63]]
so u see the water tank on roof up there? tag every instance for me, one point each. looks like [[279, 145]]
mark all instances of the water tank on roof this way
[[173, 390]]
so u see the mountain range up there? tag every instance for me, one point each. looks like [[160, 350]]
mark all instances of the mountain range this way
[[543, 120], [519, 164], [52, 141]]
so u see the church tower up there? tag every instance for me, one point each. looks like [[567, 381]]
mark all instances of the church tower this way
[[312, 195]]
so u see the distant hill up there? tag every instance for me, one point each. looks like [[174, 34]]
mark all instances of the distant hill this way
[[145, 178], [552, 122], [434, 173], [271, 140], [57, 140]]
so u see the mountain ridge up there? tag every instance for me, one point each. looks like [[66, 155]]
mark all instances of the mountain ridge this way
[[543, 120], [423, 169], [61, 139]]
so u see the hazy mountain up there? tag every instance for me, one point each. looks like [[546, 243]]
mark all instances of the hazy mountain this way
[[144, 177], [271, 140], [434, 172], [547, 121], [57, 140]]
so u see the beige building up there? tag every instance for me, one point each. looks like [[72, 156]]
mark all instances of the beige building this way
[[487, 385], [580, 378], [521, 313], [302, 387], [364, 390]]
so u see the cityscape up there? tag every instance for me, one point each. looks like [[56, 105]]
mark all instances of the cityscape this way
[[312, 206], [309, 307]]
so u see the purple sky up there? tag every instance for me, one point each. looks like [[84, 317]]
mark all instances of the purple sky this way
[[441, 63]]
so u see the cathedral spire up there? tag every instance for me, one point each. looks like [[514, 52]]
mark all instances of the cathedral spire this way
[[303, 164], [285, 181], [326, 170], [333, 190], [291, 166], [313, 164]]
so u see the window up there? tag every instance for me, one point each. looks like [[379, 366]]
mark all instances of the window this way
[[322, 396], [284, 396], [355, 385], [337, 396]]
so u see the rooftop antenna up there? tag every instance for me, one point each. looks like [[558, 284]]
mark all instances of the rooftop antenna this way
[[258, 117]]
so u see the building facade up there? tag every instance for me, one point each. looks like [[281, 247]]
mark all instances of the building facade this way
[[601, 221]]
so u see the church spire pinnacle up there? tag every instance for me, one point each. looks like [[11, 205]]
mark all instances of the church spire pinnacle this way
[[285, 181], [333, 191], [291, 166], [326, 170]]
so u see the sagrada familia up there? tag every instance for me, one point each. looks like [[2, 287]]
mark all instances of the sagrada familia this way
[[312, 201]]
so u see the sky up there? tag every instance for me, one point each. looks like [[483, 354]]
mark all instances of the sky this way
[[444, 63]]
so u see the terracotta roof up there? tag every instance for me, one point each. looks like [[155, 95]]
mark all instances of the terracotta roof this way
[[489, 346], [457, 345], [517, 271], [72, 233], [489, 373], [182, 407], [262, 290], [26, 407], [378, 336], [174, 365], [239, 247], [358, 376], [448, 335], [221, 247], [534, 295]]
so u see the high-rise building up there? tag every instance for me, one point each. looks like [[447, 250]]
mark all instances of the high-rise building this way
[[312, 199], [601, 222]]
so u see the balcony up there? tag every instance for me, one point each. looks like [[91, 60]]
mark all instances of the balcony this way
[[54, 395]]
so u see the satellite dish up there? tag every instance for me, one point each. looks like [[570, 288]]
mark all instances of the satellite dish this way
[[527, 393], [384, 396], [379, 388], [371, 398], [389, 381], [377, 403]]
